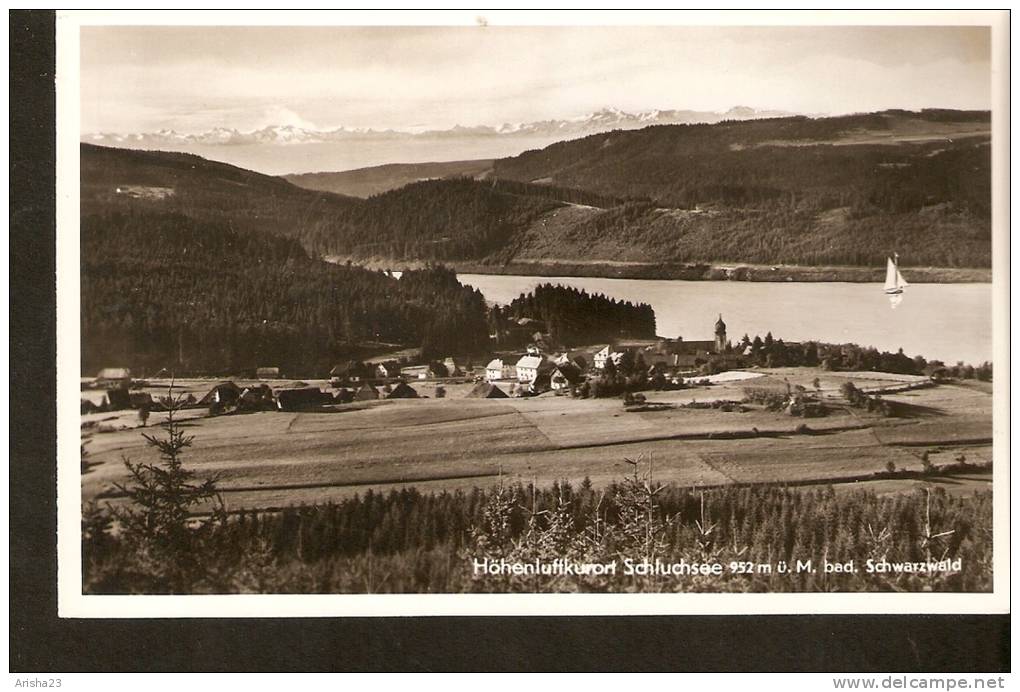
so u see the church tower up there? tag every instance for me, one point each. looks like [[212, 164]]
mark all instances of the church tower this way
[[722, 344]]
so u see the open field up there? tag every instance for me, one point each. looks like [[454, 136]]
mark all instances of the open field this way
[[273, 459]]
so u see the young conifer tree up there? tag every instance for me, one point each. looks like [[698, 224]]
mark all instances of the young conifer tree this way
[[157, 519]]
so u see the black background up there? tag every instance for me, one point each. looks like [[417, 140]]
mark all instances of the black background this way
[[41, 642]]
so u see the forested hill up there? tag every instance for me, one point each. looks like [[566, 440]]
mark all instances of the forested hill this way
[[743, 163], [167, 182], [161, 290], [843, 192], [436, 219], [574, 316], [374, 180], [836, 191]]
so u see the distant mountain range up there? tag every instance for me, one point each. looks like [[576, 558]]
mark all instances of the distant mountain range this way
[[600, 121]]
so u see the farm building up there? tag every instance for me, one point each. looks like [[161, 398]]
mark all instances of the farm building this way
[[114, 377], [402, 391], [297, 399], [267, 373], [223, 393], [256, 398], [527, 368], [453, 368], [388, 370], [366, 392], [543, 378], [486, 390], [498, 370], [601, 357], [580, 358], [564, 376], [418, 372], [351, 372]]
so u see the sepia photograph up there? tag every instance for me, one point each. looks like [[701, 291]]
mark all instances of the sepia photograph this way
[[477, 306]]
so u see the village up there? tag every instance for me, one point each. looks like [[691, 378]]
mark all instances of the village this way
[[330, 342], [540, 367], [709, 412]]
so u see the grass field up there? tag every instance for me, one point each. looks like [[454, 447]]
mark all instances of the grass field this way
[[273, 459]]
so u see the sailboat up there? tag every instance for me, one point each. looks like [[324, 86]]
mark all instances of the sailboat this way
[[894, 281]]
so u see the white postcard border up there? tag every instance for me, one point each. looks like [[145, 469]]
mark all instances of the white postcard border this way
[[71, 601]]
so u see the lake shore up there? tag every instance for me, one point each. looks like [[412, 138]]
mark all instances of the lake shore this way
[[735, 271]]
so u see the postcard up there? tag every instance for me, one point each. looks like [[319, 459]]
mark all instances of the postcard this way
[[532, 313]]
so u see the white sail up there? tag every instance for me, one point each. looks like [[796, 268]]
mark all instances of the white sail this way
[[900, 281], [894, 282], [891, 276]]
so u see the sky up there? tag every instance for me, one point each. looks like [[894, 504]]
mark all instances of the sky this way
[[191, 79]]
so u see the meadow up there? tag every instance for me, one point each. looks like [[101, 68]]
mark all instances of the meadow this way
[[269, 460]]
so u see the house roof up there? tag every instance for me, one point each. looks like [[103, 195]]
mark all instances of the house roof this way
[[343, 368], [225, 387], [692, 346], [485, 390], [529, 361], [402, 391], [571, 373], [495, 364]]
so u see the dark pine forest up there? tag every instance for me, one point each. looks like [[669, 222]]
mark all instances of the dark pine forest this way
[[573, 316], [167, 291]]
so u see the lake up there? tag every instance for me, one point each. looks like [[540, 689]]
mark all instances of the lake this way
[[950, 322]]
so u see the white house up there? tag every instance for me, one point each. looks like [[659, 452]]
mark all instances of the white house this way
[[498, 370], [601, 357], [527, 368], [418, 372]]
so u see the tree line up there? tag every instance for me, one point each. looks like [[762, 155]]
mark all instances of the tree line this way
[[412, 541], [573, 316], [430, 220], [770, 352], [167, 291]]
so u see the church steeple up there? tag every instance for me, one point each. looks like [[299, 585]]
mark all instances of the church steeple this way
[[721, 342]]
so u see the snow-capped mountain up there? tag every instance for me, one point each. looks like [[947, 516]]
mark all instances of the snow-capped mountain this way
[[602, 120]]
